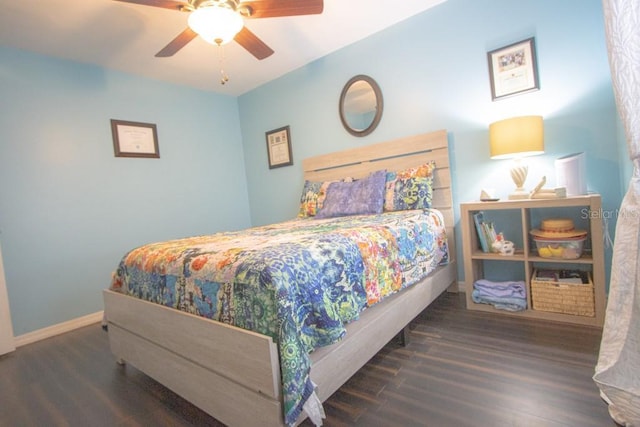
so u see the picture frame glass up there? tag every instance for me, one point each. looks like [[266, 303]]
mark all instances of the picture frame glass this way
[[134, 139], [279, 147], [513, 69]]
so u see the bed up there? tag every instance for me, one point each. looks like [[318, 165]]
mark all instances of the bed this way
[[237, 375]]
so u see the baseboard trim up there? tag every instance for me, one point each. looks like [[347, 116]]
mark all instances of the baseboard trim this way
[[60, 328]]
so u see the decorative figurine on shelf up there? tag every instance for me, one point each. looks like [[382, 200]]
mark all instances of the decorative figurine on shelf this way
[[502, 246], [547, 193], [488, 195]]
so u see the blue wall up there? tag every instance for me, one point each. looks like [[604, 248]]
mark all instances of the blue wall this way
[[433, 73], [69, 209]]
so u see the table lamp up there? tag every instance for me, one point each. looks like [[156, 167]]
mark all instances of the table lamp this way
[[516, 138]]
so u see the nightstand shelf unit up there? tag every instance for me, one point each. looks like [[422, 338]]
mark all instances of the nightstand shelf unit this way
[[592, 259]]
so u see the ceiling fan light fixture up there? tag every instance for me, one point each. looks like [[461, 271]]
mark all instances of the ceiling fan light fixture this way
[[216, 24]]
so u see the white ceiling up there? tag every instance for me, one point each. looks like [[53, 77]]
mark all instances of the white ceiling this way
[[126, 37]]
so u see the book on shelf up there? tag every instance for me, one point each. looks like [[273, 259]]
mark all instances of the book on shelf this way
[[486, 232], [478, 219], [490, 234]]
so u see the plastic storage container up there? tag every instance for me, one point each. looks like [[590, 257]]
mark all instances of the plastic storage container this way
[[570, 248]]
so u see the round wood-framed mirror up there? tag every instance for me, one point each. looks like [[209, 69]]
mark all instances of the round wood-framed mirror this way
[[361, 105]]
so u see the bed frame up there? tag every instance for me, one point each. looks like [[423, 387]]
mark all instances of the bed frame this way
[[238, 382]]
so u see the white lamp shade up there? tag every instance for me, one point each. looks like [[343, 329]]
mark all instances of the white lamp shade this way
[[216, 24], [516, 137]]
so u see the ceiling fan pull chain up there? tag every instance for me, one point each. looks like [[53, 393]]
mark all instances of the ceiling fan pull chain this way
[[224, 78]]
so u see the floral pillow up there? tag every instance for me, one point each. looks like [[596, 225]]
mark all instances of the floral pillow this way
[[409, 188], [313, 195], [360, 197]]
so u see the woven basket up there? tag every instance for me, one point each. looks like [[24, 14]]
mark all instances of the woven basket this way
[[560, 297]]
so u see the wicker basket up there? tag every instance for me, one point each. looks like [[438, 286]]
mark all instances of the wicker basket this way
[[560, 297]]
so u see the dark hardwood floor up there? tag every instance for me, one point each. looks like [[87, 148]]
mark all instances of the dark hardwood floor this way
[[460, 368]]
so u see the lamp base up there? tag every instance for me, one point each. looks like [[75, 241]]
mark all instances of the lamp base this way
[[519, 194], [519, 171]]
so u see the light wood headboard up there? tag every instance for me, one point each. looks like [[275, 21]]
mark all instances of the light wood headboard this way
[[393, 155]]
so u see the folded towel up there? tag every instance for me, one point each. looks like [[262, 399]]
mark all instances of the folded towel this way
[[510, 296], [488, 288], [501, 303]]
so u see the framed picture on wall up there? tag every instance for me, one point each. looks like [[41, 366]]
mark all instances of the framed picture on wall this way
[[279, 147], [513, 69], [134, 139]]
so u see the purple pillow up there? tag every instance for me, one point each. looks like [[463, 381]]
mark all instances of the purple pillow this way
[[364, 196]]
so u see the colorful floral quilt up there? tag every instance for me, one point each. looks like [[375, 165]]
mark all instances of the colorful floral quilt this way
[[299, 282]]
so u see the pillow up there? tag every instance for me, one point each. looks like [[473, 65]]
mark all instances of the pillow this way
[[409, 188], [364, 196], [313, 194]]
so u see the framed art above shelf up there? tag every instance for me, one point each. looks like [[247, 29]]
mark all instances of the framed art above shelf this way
[[513, 69]]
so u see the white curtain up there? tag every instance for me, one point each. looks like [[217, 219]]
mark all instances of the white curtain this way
[[617, 373]]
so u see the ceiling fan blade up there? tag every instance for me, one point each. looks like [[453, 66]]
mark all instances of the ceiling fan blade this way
[[253, 44], [178, 43], [277, 8], [165, 4]]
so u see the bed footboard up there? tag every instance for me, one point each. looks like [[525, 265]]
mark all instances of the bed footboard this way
[[228, 372]]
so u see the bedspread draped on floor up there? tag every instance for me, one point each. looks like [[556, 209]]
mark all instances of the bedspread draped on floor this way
[[618, 371], [298, 282]]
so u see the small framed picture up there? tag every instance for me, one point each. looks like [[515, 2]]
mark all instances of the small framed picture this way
[[279, 147], [134, 139], [513, 69]]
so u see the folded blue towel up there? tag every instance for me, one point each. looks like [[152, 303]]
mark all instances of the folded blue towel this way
[[515, 289], [501, 303], [510, 296]]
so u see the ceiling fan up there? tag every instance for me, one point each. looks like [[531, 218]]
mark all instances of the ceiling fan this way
[[220, 21]]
